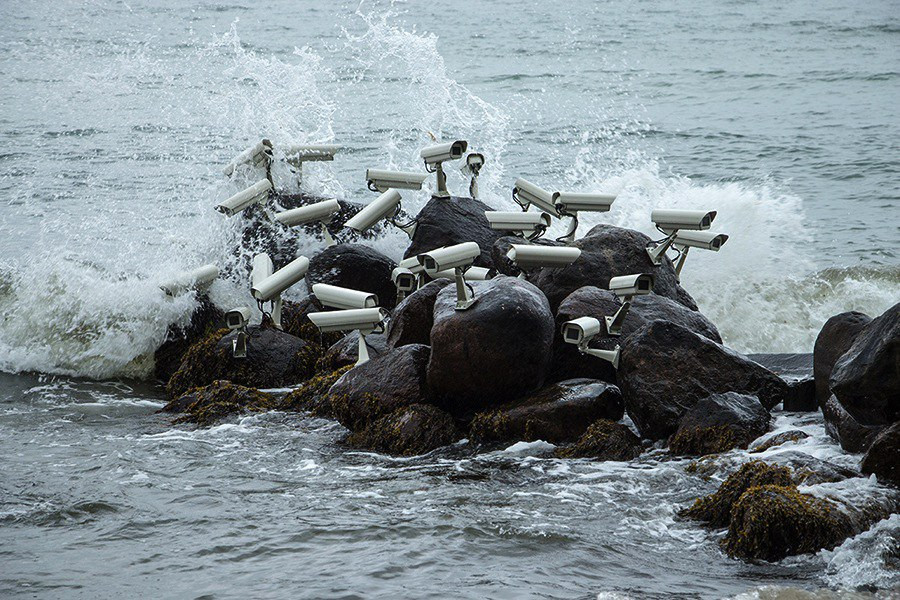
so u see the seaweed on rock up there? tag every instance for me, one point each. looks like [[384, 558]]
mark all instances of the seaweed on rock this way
[[604, 440]]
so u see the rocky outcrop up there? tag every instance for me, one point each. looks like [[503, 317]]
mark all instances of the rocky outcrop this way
[[665, 369], [411, 321], [356, 267], [834, 339], [210, 404], [205, 319], [883, 456], [408, 431], [719, 423], [608, 251], [496, 351], [558, 413], [604, 440], [449, 221]]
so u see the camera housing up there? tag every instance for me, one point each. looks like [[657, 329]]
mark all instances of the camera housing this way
[[237, 320], [531, 257], [625, 287], [322, 212], [435, 156], [670, 221], [379, 180], [405, 281], [198, 279], [472, 168], [457, 257], [270, 288], [685, 240], [581, 331], [519, 223], [256, 193], [364, 320], [570, 204], [385, 206], [257, 155], [333, 296], [471, 274], [526, 193]]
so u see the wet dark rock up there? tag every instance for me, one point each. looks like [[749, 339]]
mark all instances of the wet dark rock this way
[[274, 359], [411, 321], [834, 339], [719, 423], [346, 350], [408, 431], [608, 251], [356, 267], [496, 351], [883, 456], [205, 319], [558, 413], [809, 470], [665, 369], [866, 378], [801, 396], [210, 404], [312, 396], [604, 440], [380, 386], [779, 439], [788, 366], [295, 316], [849, 433], [590, 301], [502, 245], [449, 221]]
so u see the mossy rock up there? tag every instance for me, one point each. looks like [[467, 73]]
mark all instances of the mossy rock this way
[[205, 406], [708, 440], [771, 522], [719, 423], [408, 431], [604, 440], [795, 435], [313, 396], [715, 509]]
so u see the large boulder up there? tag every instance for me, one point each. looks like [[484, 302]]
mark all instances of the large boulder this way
[[665, 369], [205, 319], [380, 386], [883, 456], [849, 433], [207, 405], [590, 301], [411, 321], [608, 251], [496, 351], [558, 413], [449, 221], [834, 339], [356, 267], [719, 423], [604, 440], [274, 359], [407, 431], [866, 379]]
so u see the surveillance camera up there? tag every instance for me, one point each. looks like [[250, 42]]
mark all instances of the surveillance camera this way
[[258, 192], [580, 332], [530, 257], [364, 320], [518, 222], [526, 193], [471, 274], [262, 268], [384, 206], [673, 220], [405, 281], [320, 211], [458, 258], [279, 281], [474, 162], [625, 288], [297, 154], [199, 279], [569, 203], [381, 181], [333, 296], [685, 240], [237, 320], [259, 154], [435, 156]]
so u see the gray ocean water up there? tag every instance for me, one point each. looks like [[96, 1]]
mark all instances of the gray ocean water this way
[[115, 120]]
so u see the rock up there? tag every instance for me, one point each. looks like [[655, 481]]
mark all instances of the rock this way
[[502, 245], [788, 366], [605, 440], [408, 431], [295, 316], [411, 321], [312, 396], [665, 369], [772, 522], [205, 319], [346, 350], [809, 470], [274, 359], [608, 251], [834, 339], [801, 396], [883, 456], [356, 267], [380, 386], [558, 413], [840, 425], [496, 351], [719, 423], [794, 435], [449, 221], [716, 508], [590, 301], [207, 405], [866, 378]]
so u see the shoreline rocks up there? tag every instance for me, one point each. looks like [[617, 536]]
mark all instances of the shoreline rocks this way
[[719, 423]]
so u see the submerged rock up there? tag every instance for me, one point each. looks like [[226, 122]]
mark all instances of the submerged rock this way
[[557, 414], [795, 435], [719, 423], [356, 267], [411, 321], [206, 319], [608, 251], [840, 425], [883, 456], [408, 431], [208, 405], [665, 369], [605, 440], [449, 221], [494, 352], [834, 339]]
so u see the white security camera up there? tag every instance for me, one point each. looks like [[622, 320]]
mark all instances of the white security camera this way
[[237, 320], [364, 320], [581, 331], [257, 155], [385, 206], [471, 274], [532, 257], [570, 205], [320, 211], [296, 155], [625, 288], [532, 223], [472, 168], [435, 156], [526, 193], [458, 257], [256, 193], [670, 221], [269, 289], [405, 281], [381, 181], [333, 296], [197, 280], [685, 240]]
